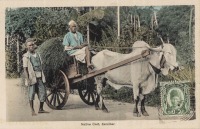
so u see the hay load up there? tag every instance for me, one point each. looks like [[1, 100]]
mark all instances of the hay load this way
[[53, 57]]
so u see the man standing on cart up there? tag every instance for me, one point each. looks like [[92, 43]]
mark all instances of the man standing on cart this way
[[74, 45], [34, 76]]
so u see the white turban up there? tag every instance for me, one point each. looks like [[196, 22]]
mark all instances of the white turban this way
[[72, 22]]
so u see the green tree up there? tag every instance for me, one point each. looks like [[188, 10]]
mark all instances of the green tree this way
[[174, 22], [51, 24], [11, 64], [22, 21], [40, 23]]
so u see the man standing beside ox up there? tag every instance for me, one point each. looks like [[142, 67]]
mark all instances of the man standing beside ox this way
[[74, 45], [34, 76]]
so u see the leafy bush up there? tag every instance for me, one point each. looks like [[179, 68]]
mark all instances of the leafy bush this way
[[11, 64], [153, 99], [51, 24], [124, 94]]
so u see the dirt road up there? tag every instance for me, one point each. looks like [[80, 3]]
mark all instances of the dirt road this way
[[75, 110]]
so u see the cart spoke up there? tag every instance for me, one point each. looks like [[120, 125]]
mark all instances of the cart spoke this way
[[51, 85], [89, 97], [51, 99], [59, 79], [61, 90], [61, 96], [92, 97], [61, 82], [85, 94], [54, 100], [49, 94], [61, 85], [58, 99]]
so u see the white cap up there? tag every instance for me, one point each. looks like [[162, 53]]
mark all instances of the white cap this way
[[71, 22]]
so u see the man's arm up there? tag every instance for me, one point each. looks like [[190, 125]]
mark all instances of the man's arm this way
[[25, 66], [76, 47], [68, 48], [66, 43], [80, 46], [26, 75]]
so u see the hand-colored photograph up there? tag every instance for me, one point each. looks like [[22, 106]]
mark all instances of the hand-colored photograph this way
[[100, 63]]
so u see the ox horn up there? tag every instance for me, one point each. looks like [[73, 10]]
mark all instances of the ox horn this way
[[167, 39], [159, 36]]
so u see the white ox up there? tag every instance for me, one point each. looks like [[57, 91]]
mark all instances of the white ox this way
[[142, 75]]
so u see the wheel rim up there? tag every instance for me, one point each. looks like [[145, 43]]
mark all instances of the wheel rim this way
[[87, 93], [58, 92]]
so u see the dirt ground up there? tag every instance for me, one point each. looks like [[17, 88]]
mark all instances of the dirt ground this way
[[17, 108]]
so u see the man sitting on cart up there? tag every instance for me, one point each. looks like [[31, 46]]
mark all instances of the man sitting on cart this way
[[74, 45]]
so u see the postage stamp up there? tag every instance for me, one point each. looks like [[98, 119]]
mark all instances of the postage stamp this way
[[175, 98]]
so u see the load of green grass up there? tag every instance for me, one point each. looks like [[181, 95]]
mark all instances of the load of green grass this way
[[53, 57]]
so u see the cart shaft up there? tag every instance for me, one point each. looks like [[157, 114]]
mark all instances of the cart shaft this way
[[106, 69]]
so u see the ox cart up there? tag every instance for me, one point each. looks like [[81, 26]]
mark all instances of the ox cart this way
[[67, 79]]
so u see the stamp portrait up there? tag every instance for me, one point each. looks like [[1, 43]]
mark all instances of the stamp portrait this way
[[175, 98]]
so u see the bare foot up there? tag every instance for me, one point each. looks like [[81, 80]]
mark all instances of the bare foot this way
[[33, 113], [97, 108], [136, 114], [90, 68]]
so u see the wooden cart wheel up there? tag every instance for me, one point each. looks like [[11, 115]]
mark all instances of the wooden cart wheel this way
[[58, 92], [87, 92]]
